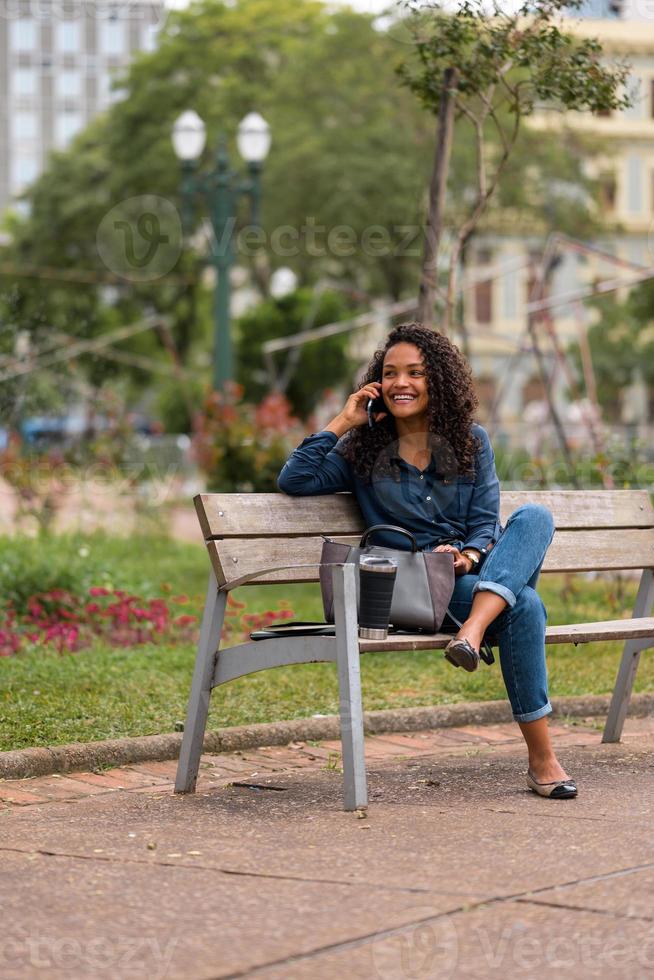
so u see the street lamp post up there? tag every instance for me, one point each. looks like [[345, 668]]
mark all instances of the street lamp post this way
[[221, 189]]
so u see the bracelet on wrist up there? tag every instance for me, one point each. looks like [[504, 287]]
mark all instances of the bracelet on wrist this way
[[472, 557]]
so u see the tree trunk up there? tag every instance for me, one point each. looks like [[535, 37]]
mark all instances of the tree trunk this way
[[437, 187], [454, 304], [542, 291]]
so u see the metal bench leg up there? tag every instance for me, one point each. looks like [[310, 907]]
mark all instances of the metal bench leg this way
[[629, 663], [198, 705], [349, 686]]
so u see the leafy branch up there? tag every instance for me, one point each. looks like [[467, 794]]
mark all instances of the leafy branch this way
[[492, 73]]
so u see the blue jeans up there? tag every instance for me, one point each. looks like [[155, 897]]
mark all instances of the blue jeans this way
[[511, 570]]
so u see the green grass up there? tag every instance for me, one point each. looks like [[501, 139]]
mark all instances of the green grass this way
[[48, 699], [145, 566]]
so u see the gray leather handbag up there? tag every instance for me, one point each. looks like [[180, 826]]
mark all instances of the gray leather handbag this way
[[423, 587]]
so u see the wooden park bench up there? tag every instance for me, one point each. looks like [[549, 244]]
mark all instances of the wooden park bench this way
[[276, 539]]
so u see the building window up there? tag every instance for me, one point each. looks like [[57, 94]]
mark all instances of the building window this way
[[68, 37], [24, 81], [112, 37], [24, 169], [533, 284], [634, 184], [484, 301], [486, 388], [24, 126], [149, 37], [23, 35], [607, 191], [69, 84], [105, 94], [634, 89], [533, 390], [67, 124], [510, 294]]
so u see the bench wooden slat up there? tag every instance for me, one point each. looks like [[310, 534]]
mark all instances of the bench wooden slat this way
[[571, 551], [616, 629], [585, 509], [249, 515]]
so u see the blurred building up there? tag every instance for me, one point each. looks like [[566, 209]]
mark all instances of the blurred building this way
[[57, 62], [501, 268]]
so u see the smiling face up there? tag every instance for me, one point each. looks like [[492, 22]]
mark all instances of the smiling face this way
[[404, 382]]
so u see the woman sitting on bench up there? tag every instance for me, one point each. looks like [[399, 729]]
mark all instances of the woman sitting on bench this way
[[418, 460]]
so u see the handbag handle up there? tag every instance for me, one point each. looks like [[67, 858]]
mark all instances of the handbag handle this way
[[388, 527]]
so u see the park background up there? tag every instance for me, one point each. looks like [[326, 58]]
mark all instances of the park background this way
[[114, 270]]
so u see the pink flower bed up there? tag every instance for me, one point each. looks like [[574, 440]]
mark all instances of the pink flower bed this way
[[66, 622]]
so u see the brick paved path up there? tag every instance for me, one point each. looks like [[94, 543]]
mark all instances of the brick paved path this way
[[259, 765]]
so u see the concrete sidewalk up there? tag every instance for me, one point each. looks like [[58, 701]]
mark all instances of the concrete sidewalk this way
[[456, 870]]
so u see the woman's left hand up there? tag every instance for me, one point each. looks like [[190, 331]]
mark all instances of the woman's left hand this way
[[462, 565]]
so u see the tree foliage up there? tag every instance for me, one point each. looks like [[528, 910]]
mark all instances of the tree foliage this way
[[622, 344], [309, 369], [492, 73], [347, 173]]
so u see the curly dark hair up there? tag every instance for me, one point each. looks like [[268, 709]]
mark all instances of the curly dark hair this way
[[452, 405]]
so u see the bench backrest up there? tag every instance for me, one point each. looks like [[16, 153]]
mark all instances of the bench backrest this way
[[597, 530]]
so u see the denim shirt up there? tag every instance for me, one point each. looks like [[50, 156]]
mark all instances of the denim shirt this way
[[463, 511]]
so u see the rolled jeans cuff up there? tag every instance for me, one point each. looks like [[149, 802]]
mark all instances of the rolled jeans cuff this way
[[500, 590], [534, 715]]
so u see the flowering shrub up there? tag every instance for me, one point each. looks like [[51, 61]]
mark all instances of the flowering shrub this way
[[242, 447], [66, 622], [38, 481], [239, 624]]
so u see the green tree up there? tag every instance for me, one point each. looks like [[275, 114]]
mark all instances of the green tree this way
[[491, 73], [219, 57], [351, 152], [302, 374], [621, 341]]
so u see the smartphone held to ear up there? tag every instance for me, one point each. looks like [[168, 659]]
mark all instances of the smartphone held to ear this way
[[375, 405]]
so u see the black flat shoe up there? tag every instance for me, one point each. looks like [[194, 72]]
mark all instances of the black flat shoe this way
[[462, 654], [562, 789]]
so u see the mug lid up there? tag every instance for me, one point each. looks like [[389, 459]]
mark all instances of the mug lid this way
[[377, 563]]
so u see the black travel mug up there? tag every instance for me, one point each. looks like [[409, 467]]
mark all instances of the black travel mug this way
[[376, 582]]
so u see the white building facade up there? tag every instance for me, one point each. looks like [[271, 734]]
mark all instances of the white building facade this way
[[57, 62]]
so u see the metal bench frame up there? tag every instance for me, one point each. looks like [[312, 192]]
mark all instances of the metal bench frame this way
[[596, 530]]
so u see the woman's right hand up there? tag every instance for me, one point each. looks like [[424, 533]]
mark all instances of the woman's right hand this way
[[355, 410]]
